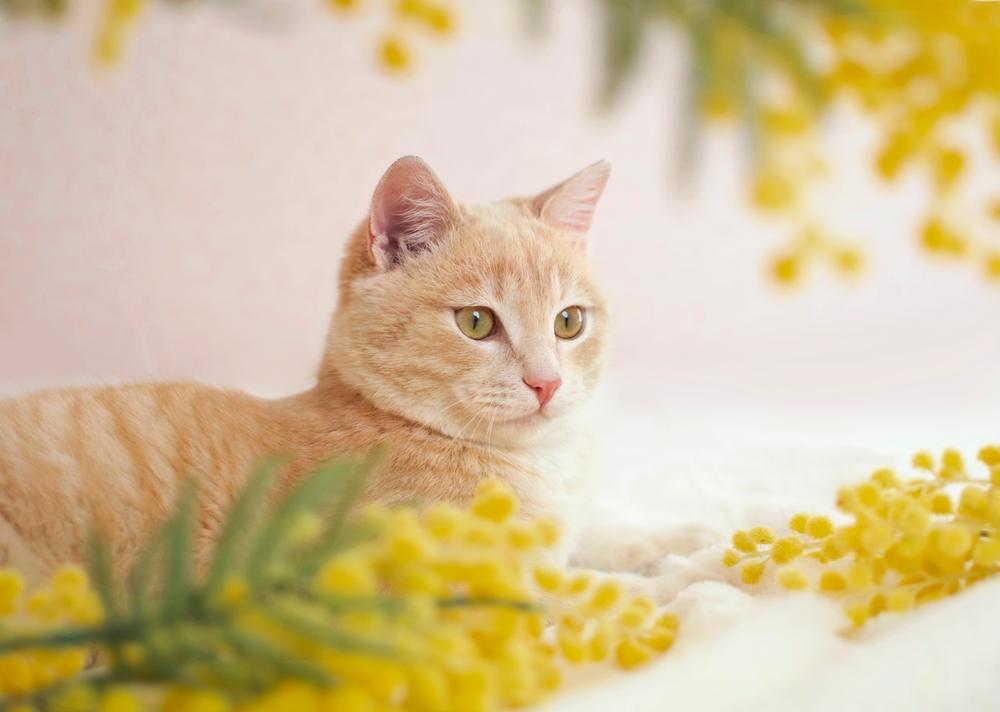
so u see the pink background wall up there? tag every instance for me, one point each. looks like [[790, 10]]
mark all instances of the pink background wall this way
[[183, 215]]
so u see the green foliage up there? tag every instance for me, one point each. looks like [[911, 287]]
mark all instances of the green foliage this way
[[171, 624], [732, 45]]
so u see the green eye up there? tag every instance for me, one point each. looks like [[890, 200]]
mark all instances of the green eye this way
[[475, 322], [569, 322]]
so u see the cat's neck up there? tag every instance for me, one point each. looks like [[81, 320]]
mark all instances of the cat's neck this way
[[333, 406], [334, 419]]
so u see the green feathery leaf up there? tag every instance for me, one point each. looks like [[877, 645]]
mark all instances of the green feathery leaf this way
[[309, 495], [177, 551], [241, 520]]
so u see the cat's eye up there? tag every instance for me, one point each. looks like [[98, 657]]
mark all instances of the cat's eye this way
[[569, 323], [475, 322]]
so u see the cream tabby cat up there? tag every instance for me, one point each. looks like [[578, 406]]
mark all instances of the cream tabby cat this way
[[467, 338]]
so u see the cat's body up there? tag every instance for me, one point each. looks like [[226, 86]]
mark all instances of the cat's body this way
[[454, 409], [116, 456]]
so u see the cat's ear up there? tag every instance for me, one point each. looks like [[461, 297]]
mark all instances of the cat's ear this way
[[570, 205], [410, 211]]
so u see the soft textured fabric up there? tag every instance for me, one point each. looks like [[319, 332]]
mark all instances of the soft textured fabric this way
[[771, 650]]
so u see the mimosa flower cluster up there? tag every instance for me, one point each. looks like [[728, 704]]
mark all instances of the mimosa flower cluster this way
[[896, 543], [433, 610], [918, 76]]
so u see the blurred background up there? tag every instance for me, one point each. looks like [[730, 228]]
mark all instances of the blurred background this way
[[803, 222]]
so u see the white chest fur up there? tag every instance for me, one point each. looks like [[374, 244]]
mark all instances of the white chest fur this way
[[560, 482]]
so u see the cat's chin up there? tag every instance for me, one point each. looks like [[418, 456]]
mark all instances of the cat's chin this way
[[523, 430], [515, 430]]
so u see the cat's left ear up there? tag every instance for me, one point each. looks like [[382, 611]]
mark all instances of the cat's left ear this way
[[570, 206]]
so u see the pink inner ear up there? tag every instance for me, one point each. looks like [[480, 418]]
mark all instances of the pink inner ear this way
[[570, 205], [410, 210]]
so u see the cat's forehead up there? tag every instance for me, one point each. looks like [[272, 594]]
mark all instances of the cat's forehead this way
[[503, 253]]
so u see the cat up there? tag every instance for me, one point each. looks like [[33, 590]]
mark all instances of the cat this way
[[468, 339]]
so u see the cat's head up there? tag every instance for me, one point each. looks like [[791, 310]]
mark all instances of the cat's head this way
[[481, 322]]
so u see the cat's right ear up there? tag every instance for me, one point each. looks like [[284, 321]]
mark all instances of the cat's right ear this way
[[410, 211]]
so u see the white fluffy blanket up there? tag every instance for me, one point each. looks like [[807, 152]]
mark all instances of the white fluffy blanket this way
[[775, 650]]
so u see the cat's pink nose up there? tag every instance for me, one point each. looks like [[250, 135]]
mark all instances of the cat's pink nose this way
[[544, 388]]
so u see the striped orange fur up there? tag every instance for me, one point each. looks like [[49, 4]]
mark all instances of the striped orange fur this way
[[396, 371]]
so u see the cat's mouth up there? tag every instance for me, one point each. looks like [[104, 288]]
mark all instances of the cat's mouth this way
[[531, 418]]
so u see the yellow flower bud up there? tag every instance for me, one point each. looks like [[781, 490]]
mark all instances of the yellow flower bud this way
[[938, 238], [43, 605], [606, 595], [522, 536], [786, 268], [347, 574], [579, 582], [234, 591], [69, 579], [792, 579], [667, 621], [992, 262], [658, 639], [599, 645], [868, 494], [832, 581], [877, 604], [819, 527], [798, 523], [636, 612], [11, 586], [761, 535], [986, 551], [68, 662], [876, 537], [548, 531], [752, 572], [912, 545], [899, 149], [849, 260], [952, 459], [394, 54], [989, 455], [742, 542], [443, 521], [118, 699], [941, 503], [773, 190], [630, 654], [923, 460], [973, 502], [859, 576], [406, 542], [786, 549], [86, 609], [885, 478], [439, 19], [914, 518], [948, 166], [15, 675], [953, 540], [900, 600], [353, 698], [482, 533], [494, 501], [548, 578], [571, 645]]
